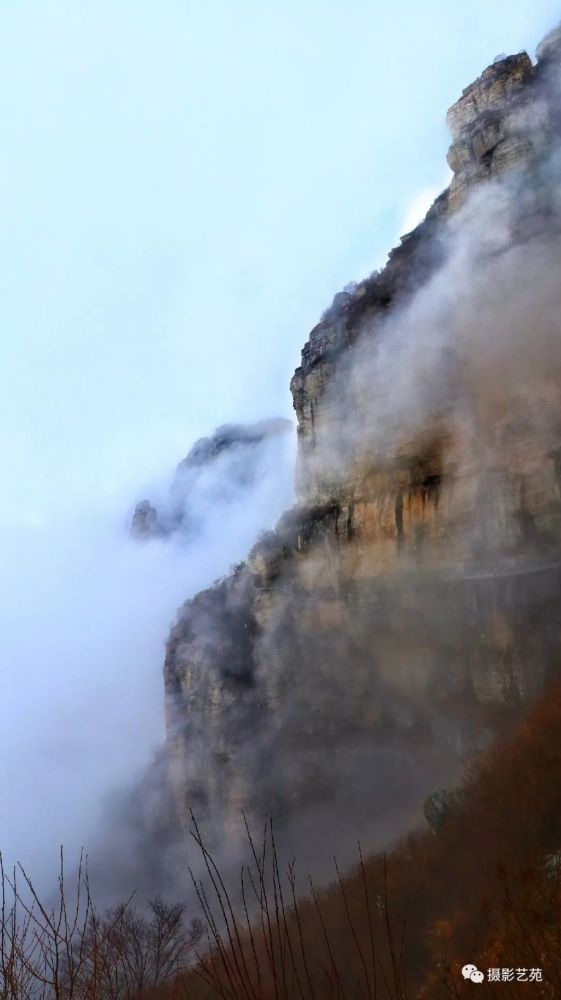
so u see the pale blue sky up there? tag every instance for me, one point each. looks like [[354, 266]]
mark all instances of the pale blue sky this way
[[184, 185]]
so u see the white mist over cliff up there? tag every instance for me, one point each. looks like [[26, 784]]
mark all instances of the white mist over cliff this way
[[183, 190]]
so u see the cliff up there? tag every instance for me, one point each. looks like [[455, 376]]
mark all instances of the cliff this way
[[408, 607]]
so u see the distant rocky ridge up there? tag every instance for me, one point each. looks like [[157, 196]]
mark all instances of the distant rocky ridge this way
[[410, 604], [243, 443]]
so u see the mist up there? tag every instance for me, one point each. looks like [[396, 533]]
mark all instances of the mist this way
[[85, 613], [172, 227]]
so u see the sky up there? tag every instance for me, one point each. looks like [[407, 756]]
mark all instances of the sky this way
[[183, 188]]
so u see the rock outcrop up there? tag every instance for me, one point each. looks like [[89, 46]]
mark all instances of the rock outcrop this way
[[238, 446], [410, 603]]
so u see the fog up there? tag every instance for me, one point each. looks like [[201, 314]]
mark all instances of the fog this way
[[85, 613], [171, 228]]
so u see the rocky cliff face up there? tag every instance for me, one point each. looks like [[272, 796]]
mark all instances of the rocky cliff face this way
[[410, 603]]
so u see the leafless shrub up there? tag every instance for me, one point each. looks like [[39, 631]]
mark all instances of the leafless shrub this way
[[274, 949], [67, 951]]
